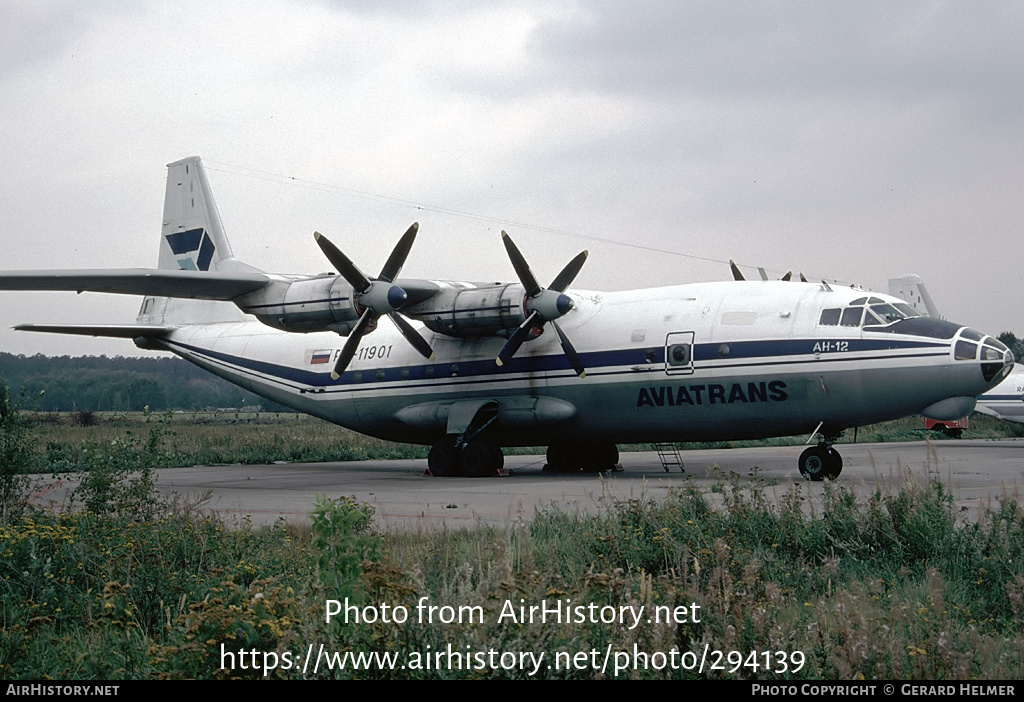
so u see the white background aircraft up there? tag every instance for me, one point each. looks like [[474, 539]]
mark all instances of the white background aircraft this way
[[471, 367], [1006, 400]]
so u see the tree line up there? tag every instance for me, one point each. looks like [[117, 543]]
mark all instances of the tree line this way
[[120, 383]]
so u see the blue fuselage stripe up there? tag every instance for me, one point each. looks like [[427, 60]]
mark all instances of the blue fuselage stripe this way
[[461, 373]]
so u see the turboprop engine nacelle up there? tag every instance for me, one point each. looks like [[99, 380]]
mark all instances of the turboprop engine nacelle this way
[[462, 310], [467, 310], [308, 305]]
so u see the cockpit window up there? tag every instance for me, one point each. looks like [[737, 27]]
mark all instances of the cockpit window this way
[[965, 351], [830, 316], [906, 309], [969, 333], [851, 316], [989, 353], [871, 318], [887, 313], [856, 314]]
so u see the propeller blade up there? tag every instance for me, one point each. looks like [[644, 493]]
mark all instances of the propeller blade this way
[[544, 305], [517, 339], [569, 273], [735, 271], [397, 258], [346, 268], [351, 344], [412, 336], [570, 351], [521, 266]]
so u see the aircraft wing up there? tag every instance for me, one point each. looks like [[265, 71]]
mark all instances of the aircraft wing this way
[[200, 285], [121, 331]]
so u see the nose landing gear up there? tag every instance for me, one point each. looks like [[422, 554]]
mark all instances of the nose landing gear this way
[[821, 461]]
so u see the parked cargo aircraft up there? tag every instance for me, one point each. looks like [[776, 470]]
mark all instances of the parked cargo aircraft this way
[[469, 368]]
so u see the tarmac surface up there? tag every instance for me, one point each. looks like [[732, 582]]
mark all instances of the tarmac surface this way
[[977, 472]]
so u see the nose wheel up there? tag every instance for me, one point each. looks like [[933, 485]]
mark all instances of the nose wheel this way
[[820, 462]]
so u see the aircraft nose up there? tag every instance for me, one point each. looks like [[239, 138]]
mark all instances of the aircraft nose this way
[[996, 360]]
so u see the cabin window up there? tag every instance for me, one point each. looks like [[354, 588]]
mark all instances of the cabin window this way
[[357, 377], [679, 355], [381, 374]]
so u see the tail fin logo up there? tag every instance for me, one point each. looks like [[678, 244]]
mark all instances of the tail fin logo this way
[[193, 249]]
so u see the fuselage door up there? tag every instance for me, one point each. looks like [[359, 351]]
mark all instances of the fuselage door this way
[[679, 353]]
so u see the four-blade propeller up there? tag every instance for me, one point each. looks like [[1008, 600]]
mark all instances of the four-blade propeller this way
[[544, 305], [375, 297], [380, 296]]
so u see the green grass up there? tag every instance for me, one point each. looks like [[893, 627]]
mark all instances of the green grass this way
[[214, 438], [894, 588], [129, 587]]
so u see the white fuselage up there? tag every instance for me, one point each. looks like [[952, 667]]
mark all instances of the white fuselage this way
[[706, 361], [1006, 400]]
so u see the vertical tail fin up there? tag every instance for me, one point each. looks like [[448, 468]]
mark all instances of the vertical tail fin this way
[[192, 238], [192, 235], [911, 289]]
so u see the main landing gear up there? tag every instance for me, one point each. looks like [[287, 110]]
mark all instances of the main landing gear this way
[[475, 459], [480, 458], [582, 458], [821, 461]]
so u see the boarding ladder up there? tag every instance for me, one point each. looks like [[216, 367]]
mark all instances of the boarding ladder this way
[[669, 456]]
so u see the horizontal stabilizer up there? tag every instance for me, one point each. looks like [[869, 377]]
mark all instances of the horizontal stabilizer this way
[[120, 331], [198, 285]]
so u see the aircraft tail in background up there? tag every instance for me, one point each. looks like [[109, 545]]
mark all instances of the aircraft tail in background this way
[[911, 288]]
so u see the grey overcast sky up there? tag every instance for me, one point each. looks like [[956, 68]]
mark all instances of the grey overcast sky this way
[[853, 141]]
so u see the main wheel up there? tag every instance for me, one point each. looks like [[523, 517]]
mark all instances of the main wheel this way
[[444, 460], [562, 458], [589, 458], [482, 458], [600, 458], [820, 462]]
